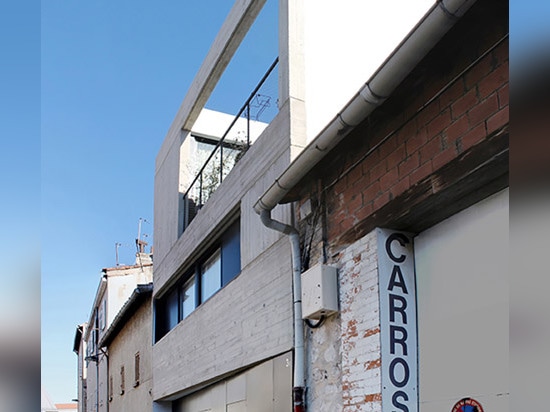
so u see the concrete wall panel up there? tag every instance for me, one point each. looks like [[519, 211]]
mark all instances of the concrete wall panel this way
[[248, 320]]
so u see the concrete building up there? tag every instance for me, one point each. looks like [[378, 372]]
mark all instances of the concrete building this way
[[377, 187], [116, 288]]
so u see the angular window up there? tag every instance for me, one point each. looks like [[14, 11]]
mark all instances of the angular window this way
[[205, 277]]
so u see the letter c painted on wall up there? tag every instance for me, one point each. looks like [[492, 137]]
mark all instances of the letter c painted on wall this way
[[402, 239]]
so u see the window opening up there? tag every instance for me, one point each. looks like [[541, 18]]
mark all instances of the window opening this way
[[122, 380], [211, 280], [136, 369], [189, 298], [208, 275]]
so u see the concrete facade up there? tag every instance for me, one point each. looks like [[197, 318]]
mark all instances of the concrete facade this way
[[229, 333], [435, 146]]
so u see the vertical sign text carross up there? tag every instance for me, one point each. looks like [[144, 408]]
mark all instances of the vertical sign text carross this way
[[398, 321]]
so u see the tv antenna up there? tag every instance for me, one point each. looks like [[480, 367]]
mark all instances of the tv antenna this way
[[262, 102], [139, 227], [117, 245]]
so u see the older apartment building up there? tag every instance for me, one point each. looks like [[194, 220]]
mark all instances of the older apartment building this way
[[121, 308], [351, 258]]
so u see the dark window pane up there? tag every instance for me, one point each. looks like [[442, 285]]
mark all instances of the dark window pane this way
[[231, 253], [172, 309], [166, 314]]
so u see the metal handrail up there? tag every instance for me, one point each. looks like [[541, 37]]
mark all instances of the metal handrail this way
[[233, 123], [245, 106]]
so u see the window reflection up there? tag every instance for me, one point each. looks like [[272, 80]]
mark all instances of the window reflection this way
[[188, 298], [211, 278]]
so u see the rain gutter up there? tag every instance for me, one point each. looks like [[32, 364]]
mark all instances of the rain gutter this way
[[414, 47]]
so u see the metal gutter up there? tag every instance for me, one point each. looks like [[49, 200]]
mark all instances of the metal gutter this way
[[420, 40]]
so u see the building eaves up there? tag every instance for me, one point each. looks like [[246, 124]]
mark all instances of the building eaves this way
[[125, 267], [140, 293]]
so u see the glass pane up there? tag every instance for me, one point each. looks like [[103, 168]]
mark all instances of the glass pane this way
[[211, 276], [188, 299], [172, 309], [231, 253]]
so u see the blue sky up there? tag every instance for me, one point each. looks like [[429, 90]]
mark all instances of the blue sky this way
[[113, 75]]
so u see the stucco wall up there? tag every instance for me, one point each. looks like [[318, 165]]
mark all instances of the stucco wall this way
[[136, 336]]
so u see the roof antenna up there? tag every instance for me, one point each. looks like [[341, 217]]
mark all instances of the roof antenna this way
[[140, 244], [116, 251]]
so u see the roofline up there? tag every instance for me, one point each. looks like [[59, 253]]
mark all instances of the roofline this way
[[140, 293], [125, 267]]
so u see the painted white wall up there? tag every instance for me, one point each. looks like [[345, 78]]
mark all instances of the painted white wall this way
[[462, 289], [351, 38], [120, 288]]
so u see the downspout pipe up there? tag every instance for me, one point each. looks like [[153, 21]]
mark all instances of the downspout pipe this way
[[298, 391], [416, 45]]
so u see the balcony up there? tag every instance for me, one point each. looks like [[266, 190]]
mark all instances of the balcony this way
[[212, 157]]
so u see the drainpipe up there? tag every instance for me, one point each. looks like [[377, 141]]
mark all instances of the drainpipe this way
[[422, 38], [414, 47], [298, 390]]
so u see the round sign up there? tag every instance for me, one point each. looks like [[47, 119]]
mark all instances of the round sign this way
[[467, 405]]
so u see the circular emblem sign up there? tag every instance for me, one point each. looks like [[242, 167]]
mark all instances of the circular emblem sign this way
[[467, 405]]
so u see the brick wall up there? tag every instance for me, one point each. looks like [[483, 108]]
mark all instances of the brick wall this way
[[436, 146], [344, 354], [452, 109], [468, 112]]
